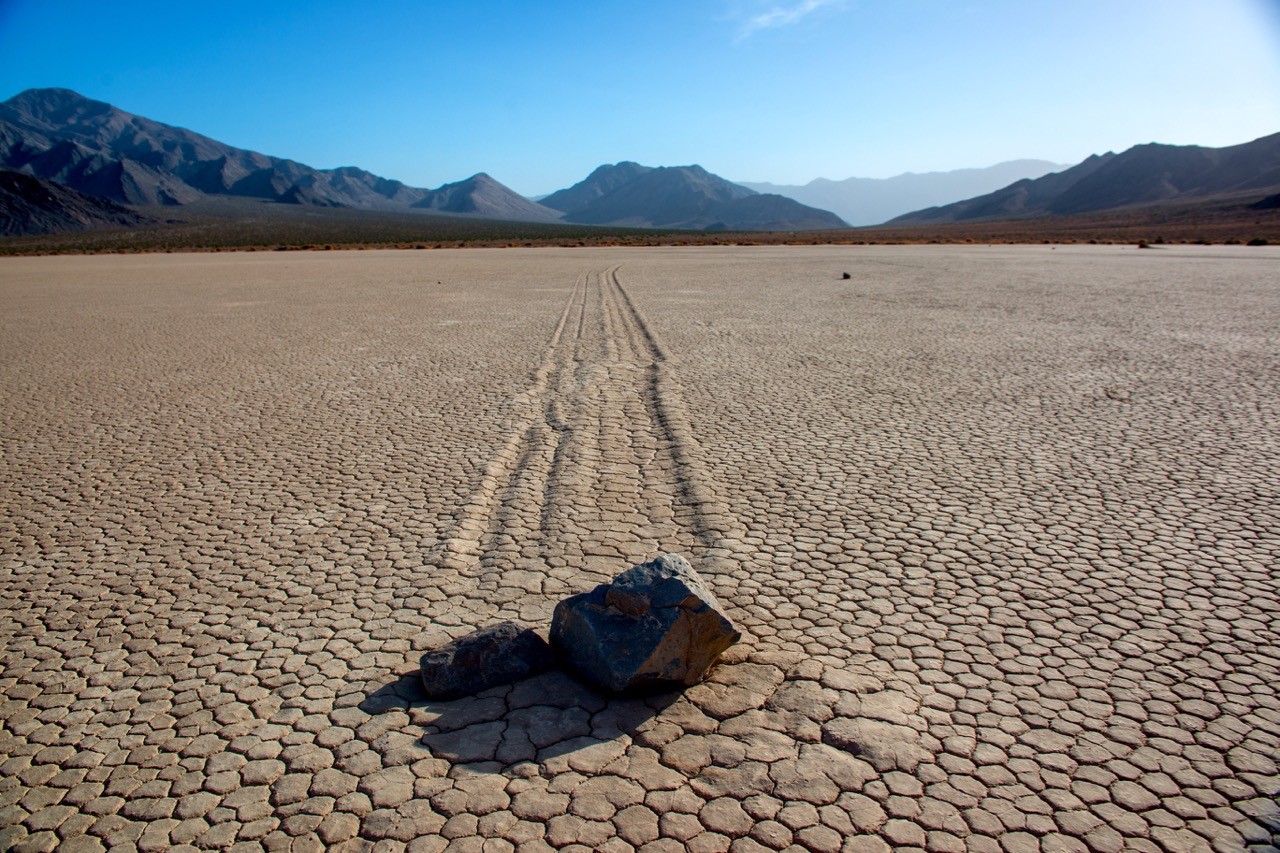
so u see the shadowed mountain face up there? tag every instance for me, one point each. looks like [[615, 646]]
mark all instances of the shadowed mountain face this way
[[869, 201], [102, 151], [1143, 175], [32, 206], [629, 194]]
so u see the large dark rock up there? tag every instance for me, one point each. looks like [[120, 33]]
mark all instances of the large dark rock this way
[[497, 654], [656, 625]]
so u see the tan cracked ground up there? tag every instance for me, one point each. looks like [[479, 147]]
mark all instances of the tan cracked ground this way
[[1001, 524]]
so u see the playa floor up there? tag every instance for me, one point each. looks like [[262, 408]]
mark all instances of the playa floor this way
[[1001, 527]]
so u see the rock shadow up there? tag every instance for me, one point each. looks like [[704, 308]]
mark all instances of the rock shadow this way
[[541, 718]]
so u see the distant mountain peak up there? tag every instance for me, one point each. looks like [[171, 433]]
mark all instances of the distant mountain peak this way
[[684, 197], [625, 165], [52, 94], [481, 195], [54, 106]]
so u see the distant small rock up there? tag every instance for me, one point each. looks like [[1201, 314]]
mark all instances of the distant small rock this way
[[656, 625], [846, 276], [497, 654]]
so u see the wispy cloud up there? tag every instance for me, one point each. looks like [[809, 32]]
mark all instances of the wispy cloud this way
[[781, 15]]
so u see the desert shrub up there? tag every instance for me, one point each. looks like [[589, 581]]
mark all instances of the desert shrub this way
[[1258, 241]]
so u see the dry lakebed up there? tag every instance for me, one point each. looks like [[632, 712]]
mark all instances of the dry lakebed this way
[[1000, 527]]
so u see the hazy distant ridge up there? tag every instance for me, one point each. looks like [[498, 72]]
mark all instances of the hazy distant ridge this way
[[870, 201], [1142, 175]]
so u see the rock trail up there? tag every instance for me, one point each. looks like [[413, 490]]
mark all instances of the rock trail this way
[[598, 471]]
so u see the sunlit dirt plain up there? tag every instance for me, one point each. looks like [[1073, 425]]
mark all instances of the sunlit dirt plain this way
[[1001, 526]]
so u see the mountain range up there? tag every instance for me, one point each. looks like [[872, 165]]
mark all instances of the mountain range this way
[[89, 163], [1144, 175], [870, 201], [106, 152], [102, 151]]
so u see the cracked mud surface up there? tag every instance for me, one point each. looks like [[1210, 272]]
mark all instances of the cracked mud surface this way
[[1002, 526]]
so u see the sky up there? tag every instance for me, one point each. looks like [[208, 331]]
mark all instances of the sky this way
[[539, 94]]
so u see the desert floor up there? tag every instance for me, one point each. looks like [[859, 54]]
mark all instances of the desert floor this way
[[1002, 526]]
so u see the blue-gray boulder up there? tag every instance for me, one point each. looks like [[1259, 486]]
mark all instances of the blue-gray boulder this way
[[497, 654], [655, 626]]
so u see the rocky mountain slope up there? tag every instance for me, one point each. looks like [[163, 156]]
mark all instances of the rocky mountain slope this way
[[103, 151], [605, 179], [1143, 175], [33, 206]]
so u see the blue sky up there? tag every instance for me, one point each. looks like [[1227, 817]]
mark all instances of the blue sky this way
[[538, 94]]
